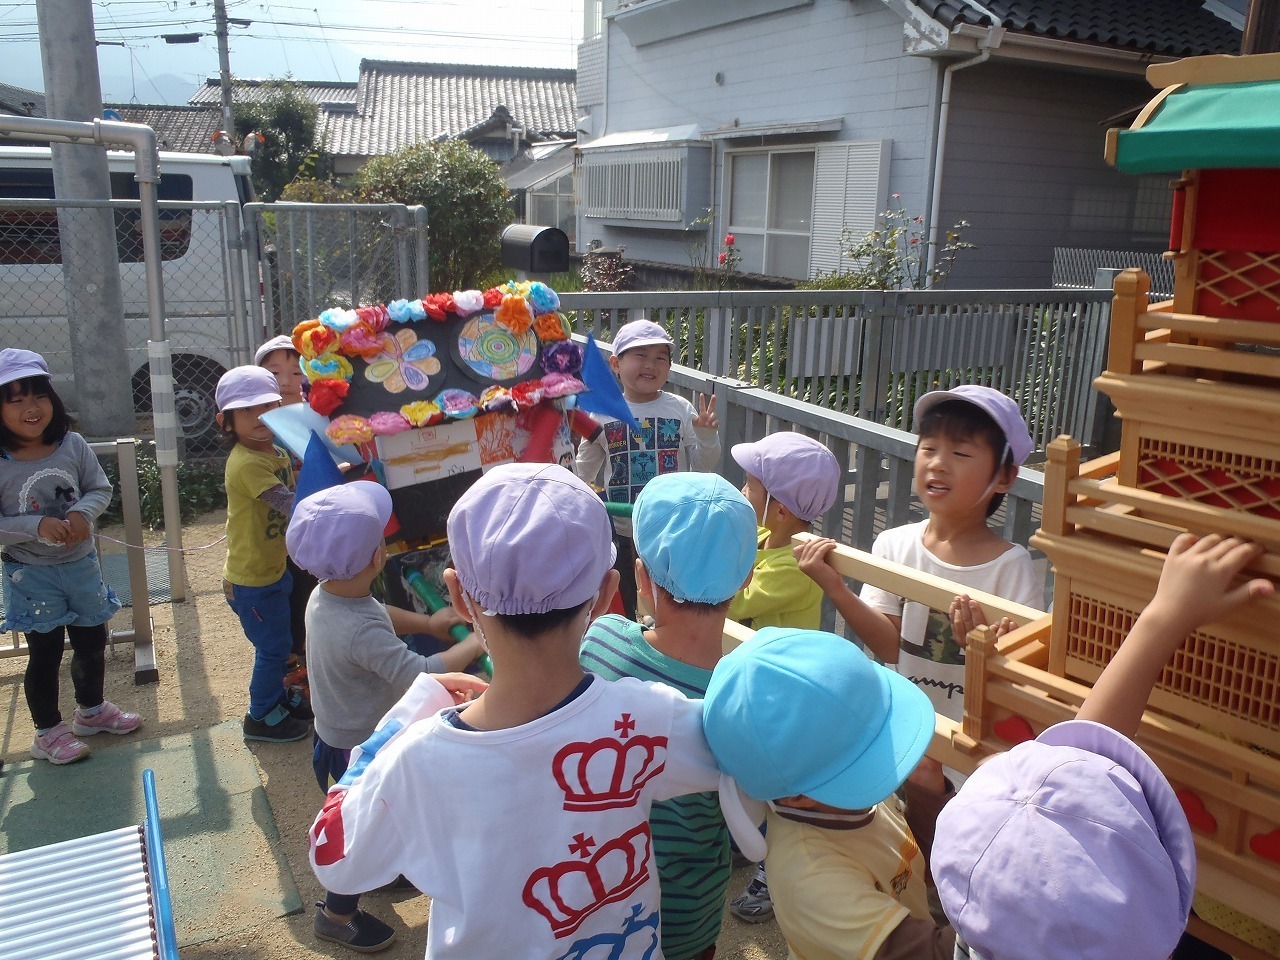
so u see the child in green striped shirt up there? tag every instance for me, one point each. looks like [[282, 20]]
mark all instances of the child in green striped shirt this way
[[695, 537]]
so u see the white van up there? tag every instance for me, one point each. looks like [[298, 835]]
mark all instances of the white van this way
[[33, 306]]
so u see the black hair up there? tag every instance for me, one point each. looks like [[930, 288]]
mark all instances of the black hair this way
[[696, 607], [531, 626], [228, 428], [960, 420], [60, 424]]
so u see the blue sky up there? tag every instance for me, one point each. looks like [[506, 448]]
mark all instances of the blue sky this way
[[310, 39]]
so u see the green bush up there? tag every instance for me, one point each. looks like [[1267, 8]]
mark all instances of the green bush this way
[[200, 489], [466, 203], [284, 117]]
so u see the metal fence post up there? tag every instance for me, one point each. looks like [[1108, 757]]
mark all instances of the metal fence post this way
[[421, 250], [144, 654], [881, 307], [243, 336]]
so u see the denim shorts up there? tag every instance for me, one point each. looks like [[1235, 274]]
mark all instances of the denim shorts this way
[[40, 597]]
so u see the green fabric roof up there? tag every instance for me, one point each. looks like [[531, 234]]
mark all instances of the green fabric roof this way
[[1206, 127]]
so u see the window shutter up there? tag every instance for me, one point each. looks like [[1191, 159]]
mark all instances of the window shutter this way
[[849, 183]]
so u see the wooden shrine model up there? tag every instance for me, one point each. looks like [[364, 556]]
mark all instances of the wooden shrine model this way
[[1196, 383]]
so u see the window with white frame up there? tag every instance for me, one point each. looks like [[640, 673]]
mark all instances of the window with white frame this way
[[770, 210], [592, 19], [550, 204]]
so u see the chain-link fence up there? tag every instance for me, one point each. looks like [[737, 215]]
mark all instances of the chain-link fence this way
[[207, 320], [314, 256]]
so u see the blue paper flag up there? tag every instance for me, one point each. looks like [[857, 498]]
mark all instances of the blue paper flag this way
[[603, 395], [318, 472]]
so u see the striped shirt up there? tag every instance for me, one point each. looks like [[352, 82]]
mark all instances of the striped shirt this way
[[690, 840]]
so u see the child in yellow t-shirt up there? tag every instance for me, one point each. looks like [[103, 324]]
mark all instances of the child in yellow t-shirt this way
[[792, 480], [259, 483]]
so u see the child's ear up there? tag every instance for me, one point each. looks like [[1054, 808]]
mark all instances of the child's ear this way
[[1007, 474], [455, 593], [608, 587], [613, 362], [222, 423], [644, 582]]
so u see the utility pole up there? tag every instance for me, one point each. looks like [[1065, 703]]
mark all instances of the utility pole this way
[[87, 235], [224, 66]]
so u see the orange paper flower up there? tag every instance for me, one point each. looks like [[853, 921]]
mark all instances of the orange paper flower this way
[[550, 327], [514, 315]]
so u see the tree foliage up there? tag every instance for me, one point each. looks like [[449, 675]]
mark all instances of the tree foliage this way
[[286, 118], [466, 201]]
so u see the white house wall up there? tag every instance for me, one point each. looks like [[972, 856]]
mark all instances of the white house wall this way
[[1024, 165], [834, 58]]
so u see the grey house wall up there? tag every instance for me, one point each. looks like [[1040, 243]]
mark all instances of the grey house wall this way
[[1024, 166], [832, 58]]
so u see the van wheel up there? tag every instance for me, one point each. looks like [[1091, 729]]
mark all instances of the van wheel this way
[[194, 382]]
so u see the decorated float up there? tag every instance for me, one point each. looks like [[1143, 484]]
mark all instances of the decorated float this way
[[1196, 384]]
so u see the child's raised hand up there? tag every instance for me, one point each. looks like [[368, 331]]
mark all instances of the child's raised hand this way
[[1195, 584], [811, 558], [706, 416]]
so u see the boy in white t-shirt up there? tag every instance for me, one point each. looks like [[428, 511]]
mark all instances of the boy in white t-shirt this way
[[524, 814], [972, 441]]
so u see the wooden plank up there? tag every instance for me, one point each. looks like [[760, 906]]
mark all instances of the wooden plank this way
[[1209, 358], [1215, 68], [912, 584], [1213, 328], [1199, 518]]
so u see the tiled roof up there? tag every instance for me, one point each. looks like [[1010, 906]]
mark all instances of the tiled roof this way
[[250, 90], [1178, 28], [185, 129], [400, 104], [14, 100]]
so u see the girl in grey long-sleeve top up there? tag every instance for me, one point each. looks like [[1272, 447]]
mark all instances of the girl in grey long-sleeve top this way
[[52, 489]]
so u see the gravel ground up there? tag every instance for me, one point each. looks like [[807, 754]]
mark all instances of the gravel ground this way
[[204, 664]]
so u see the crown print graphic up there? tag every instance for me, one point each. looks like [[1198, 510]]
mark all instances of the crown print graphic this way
[[570, 891], [327, 833], [638, 939], [608, 773]]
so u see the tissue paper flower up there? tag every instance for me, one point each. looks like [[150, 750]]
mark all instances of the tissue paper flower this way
[[387, 423], [350, 429]]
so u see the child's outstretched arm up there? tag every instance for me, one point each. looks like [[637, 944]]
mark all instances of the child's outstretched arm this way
[[1195, 588], [875, 629], [701, 438]]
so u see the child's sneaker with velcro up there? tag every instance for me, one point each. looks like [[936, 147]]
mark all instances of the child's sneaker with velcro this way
[[106, 718], [58, 745], [363, 933]]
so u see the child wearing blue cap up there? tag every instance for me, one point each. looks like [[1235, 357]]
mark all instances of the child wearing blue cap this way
[[524, 815], [792, 480], [807, 723], [695, 538]]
